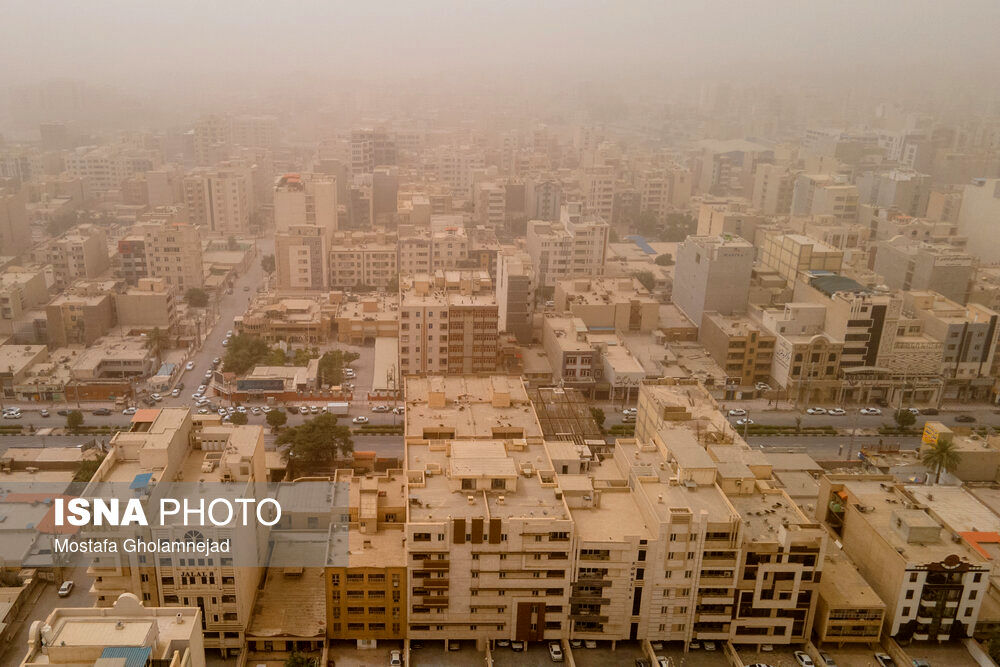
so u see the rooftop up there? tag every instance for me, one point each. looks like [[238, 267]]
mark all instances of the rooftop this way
[[469, 407]]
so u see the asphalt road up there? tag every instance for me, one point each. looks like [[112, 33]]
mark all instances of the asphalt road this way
[[838, 447]]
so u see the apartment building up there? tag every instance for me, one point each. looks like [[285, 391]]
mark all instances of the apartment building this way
[[80, 316], [543, 198], [613, 304], [597, 184], [790, 254], [212, 139], [362, 258], [105, 167], [969, 337], [772, 189], [902, 189], [298, 321], [16, 362], [908, 265], [979, 218], [489, 204], [575, 246], [385, 194], [933, 585], [124, 633], [21, 290], [445, 245], [220, 198], [806, 359], [729, 217], [255, 131], [448, 323], [168, 250], [572, 358], [824, 194], [515, 293], [712, 273], [150, 305], [305, 199], [848, 610], [81, 253], [366, 585], [15, 233], [301, 257], [363, 321], [372, 148], [743, 349]]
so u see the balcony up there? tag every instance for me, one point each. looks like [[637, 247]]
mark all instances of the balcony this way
[[588, 599], [436, 564], [436, 583], [435, 601]]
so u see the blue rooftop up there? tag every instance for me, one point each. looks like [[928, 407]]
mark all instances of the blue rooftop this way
[[135, 656], [141, 481], [642, 243]]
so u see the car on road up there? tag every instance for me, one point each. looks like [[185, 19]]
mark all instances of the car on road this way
[[208, 376], [216, 361], [156, 397], [175, 392], [225, 342], [871, 411], [737, 412], [884, 660], [816, 411], [202, 388], [836, 412], [630, 411], [744, 422], [229, 334], [189, 366], [380, 408], [12, 415], [66, 588], [395, 658], [360, 419], [62, 413], [129, 411], [555, 652], [246, 288], [929, 411], [965, 419], [102, 412], [43, 412], [803, 659], [762, 386], [398, 410]]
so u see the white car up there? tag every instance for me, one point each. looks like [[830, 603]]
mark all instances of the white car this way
[[913, 411], [630, 411], [202, 388], [225, 343], [803, 659], [222, 412], [196, 395], [128, 411], [189, 366], [395, 658], [871, 411], [231, 410], [555, 652], [65, 589], [201, 401], [737, 412], [156, 397], [229, 334], [398, 410], [360, 419], [255, 410], [836, 412], [203, 411], [816, 411], [266, 409], [11, 415], [380, 408], [216, 361], [744, 422], [175, 393], [242, 409]]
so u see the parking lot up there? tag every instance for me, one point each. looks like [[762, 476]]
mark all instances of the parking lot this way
[[434, 654], [347, 654], [535, 655], [626, 653], [781, 656], [674, 652]]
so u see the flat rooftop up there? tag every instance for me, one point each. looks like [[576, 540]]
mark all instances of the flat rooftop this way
[[764, 514], [843, 586], [472, 407]]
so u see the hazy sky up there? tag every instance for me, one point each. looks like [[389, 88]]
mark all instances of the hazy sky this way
[[186, 41]]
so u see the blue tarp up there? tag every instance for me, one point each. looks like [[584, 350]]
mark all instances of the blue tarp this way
[[642, 243], [141, 481], [135, 656], [166, 369]]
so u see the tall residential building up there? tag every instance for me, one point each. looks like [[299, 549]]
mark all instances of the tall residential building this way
[[515, 294], [575, 246], [255, 131], [789, 255], [301, 256], [679, 183], [81, 253], [824, 194], [543, 198], [727, 216], [772, 189], [15, 234], [169, 250], [742, 348], [372, 148], [489, 204], [712, 273], [220, 198], [908, 265], [213, 136], [385, 194], [81, 315], [448, 323], [902, 189], [609, 304], [979, 218], [305, 199], [21, 290], [806, 359], [362, 258], [598, 186]]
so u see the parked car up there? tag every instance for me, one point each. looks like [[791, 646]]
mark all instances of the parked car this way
[[884, 660], [803, 659], [590, 643], [255, 410], [43, 412], [175, 392], [62, 413], [216, 361], [229, 334], [11, 415], [744, 422], [913, 411], [827, 659], [380, 408], [398, 410], [871, 411], [816, 411], [694, 645], [454, 646], [395, 658], [555, 652], [709, 646], [129, 411], [360, 419], [965, 419], [836, 412], [517, 646], [66, 588], [576, 643], [225, 342], [189, 366], [156, 397], [102, 412], [203, 411], [501, 643], [737, 412]]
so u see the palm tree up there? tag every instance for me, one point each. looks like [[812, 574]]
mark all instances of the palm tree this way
[[156, 340], [942, 455]]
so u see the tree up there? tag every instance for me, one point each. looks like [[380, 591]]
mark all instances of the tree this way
[[196, 298], [268, 264], [647, 279], [598, 415], [276, 419], [87, 469], [942, 455], [74, 420], [301, 358], [904, 418], [648, 225], [244, 352], [664, 260], [299, 660], [314, 445], [156, 340], [331, 366], [238, 418], [276, 357], [993, 646]]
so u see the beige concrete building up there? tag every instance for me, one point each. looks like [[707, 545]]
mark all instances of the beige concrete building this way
[[742, 348], [848, 610], [791, 254], [171, 251], [150, 305], [515, 289], [572, 358], [168, 636], [80, 316], [448, 323], [297, 321], [806, 359], [575, 246], [933, 586], [728, 216], [220, 198], [362, 258], [113, 359], [305, 199], [907, 265], [15, 363], [824, 194], [444, 245], [302, 256], [363, 321], [772, 189], [81, 253], [712, 274], [15, 234], [21, 290], [612, 304]]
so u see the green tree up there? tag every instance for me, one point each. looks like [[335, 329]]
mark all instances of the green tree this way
[[647, 279], [299, 660], [268, 264], [331, 366], [314, 445], [276, 357], [74, 420], [196, 298], [598, 415], [238, 418], [664, 260], [87, 469], [942, 455], [156, 340], [648, 225], [301, 358], [993, 646], [276, 419], [244, 352], [678, 227], [904, 418]]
